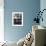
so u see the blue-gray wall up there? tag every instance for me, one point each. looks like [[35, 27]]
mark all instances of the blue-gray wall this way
[[43, 6], [29, 8]]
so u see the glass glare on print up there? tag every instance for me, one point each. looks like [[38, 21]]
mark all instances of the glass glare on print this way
[[17, 18]]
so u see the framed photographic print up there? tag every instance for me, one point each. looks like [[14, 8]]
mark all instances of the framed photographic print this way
[[17, 18]]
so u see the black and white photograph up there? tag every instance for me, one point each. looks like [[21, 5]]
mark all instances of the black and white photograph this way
[[17, 18]]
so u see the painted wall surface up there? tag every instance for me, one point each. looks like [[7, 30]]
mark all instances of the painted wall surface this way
[[28, 7], [1, 20], [43, 6]]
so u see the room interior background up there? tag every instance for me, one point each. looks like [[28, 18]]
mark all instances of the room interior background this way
[[28, 7]]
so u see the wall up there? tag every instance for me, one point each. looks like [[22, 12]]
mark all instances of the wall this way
[[28, 7], [1, 20], [43, 6]]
